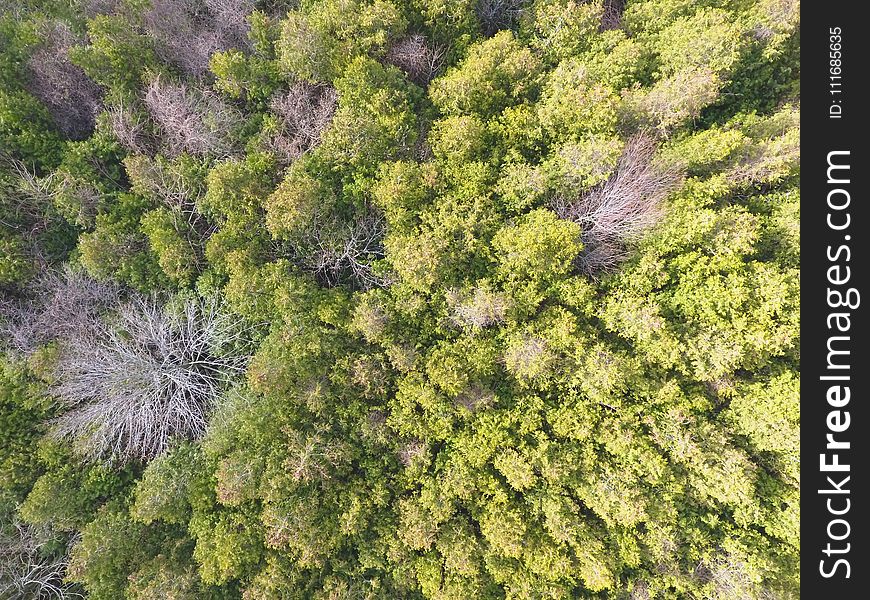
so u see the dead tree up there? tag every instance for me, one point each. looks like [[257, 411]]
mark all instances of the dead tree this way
[[92, 8], [611, 18], [305, 111], [130, 128], [197, 122], [419, 60], [57, 305], [70, 96], [188, 32], [28, 570], [338, 251], [495, 15], [623, 208], [129, 388]]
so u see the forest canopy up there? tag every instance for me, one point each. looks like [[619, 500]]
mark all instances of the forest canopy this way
[[399, 299]]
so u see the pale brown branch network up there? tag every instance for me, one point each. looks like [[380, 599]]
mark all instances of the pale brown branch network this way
[[130, 129], [194, 121], [420, 60], [338, 250], [312, 456], [70, 96], [305, 112], [188, 32], [622, 209], [495, 15], [26, 203], [56, 305], [611, 18]]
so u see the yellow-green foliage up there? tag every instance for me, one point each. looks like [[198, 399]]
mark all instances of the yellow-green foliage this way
[[518, 282]]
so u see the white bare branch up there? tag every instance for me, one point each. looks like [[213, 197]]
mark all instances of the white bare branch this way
[[27, 570], [188, 32], [419, 60], [305, 110], [132, 386], [623, 208]]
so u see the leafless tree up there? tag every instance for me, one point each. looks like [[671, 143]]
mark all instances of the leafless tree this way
[[305, 110], [188, 32], [71, 97], [612, 16], [623, 208], [417, 58], [482, 308], [130, 387], [27, 570], [26, 197], [130, 128], [340, 251], [61, 304], [164, 181], [92, 8], [495, 15], [26, 208], [198, 122]]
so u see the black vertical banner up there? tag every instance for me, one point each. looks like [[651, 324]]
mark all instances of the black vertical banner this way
[[835, 362]]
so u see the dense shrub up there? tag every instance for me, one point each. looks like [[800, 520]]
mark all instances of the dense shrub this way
[[452, 299]]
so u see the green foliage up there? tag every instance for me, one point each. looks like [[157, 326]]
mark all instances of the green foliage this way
[[244, 77], [26, 129], [375, 120], [118, 56], [497, 73], [539, 248], [319, 40], [68, 494], [518, 282], [118, 249], [168, 233], [22, 412]]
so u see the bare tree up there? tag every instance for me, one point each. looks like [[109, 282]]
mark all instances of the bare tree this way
[[475, 397], [27, 570], [340, 251], [198, 122], [482, 308], [132, 386], [495, 15], [188, 32], [305, 110], [71, 97], [130, 128], [92, 8], [419, 60], [59, 305], [612, 16], [623, 208]]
